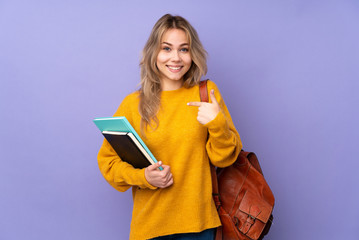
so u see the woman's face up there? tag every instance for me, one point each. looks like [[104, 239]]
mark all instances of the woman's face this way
[[173, 59]]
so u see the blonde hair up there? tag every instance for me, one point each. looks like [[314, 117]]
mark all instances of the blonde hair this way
[[150, 90]]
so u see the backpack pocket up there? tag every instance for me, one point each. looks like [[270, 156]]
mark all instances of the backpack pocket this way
[[252, 215]]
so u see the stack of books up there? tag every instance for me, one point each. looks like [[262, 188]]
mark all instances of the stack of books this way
[[125, 141]]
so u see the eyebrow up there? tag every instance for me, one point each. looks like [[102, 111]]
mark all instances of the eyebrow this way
[[183, 44]]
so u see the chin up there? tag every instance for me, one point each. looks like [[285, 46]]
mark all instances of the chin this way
[[176, 78]]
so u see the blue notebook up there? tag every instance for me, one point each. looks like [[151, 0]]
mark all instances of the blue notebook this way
[[121, 124]]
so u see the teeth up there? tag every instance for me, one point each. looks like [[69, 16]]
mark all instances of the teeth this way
[[174, 68]]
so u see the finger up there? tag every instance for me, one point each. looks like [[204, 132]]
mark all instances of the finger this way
[[166, 169], [168, 183], [154, 166], [169, 177], [213, 98], [166, 173], [197, 104]]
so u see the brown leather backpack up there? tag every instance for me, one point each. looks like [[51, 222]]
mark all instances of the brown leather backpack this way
[[242, 196]]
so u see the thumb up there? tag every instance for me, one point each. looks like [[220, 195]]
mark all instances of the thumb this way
[[213, 98], [153, 167]]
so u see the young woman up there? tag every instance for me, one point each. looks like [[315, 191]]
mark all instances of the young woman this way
[[184, 135]]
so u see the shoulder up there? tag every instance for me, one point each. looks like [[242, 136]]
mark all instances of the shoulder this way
[[131, 98], [128, 104], [212, 85]]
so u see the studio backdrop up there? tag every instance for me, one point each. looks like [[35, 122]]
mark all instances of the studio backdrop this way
[[288, 72]]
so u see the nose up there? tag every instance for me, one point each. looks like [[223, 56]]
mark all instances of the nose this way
[[175, 56]]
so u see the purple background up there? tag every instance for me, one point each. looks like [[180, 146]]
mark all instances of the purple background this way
[[288, 71]]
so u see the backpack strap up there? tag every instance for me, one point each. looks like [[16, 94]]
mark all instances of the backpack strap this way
[[203, 92]]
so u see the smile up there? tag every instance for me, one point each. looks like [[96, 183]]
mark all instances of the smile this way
[[175, 69]]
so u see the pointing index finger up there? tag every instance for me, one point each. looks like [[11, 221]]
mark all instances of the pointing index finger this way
[[197, 104]]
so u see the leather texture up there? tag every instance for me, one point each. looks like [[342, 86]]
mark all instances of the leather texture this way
[[242, 196]]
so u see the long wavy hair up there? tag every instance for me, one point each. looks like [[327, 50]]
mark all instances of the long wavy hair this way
[[150, 91]]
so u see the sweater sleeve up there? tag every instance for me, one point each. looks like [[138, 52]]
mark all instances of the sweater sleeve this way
[[118, 173], [224, 143]]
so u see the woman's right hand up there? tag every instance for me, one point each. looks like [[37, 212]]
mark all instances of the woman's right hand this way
[[158, 178]]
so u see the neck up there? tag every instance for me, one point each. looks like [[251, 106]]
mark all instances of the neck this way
[[170, 86]]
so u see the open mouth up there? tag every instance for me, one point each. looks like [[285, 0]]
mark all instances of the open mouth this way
[[174, 68]]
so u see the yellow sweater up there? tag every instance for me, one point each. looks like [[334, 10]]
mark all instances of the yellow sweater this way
[[180, 141]]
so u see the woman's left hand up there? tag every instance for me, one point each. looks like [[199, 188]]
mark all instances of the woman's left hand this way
[[207, 111]]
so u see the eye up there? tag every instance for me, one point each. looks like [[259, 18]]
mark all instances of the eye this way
[[166, 48], [184, 50]]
